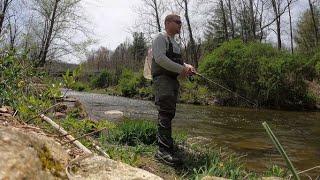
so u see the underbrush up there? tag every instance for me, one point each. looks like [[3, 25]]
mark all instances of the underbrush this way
[[24, 88]]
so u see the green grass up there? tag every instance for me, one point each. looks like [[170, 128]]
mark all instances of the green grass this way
[[277, 171], [134, 132]]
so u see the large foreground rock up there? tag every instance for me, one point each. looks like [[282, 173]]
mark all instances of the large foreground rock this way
[[98, 167], [29, 155]]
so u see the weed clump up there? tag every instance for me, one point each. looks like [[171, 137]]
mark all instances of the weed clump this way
[[134, 132]]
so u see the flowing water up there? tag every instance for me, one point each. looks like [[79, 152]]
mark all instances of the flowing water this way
[[238, 129]]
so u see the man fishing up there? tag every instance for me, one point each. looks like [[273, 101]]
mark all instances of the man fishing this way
[[167, 65]]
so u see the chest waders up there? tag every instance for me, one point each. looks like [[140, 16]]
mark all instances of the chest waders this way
[[166, 88]]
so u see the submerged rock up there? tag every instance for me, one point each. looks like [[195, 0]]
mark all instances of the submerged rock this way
[[113, 114], [60, 115]]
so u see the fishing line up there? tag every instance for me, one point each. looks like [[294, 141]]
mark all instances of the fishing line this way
[[236, 94]]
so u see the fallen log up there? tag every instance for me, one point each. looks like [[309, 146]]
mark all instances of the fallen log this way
[[62, 131]]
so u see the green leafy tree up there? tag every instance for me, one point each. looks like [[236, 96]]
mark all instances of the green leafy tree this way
[[138, 48], [306, 37], [128, 83], [217, 30], [103, 80]]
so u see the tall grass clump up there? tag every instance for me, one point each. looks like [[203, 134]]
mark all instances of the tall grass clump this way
[[134, 132], [260, 72], [200, 162]]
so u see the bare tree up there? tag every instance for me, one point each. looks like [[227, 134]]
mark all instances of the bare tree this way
[[261, 19], [252, 19], [59, 21], [225, 26], [315, 24], [13, 32], [243, 19], [4, 6], [276, 9], [47, 36], [290, 24], [151, 15], [231, 19], [184, 4], [251, 15]]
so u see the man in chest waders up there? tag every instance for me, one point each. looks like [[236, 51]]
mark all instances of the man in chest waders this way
[[166, 65]]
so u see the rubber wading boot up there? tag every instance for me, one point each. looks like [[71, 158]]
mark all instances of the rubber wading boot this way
[[167, 158]]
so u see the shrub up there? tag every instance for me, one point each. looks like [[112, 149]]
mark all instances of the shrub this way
[[79, 86], [11, 79], [131, 84], [146, 92], [128, 83], [103, 80], [318, 70], [258, 72], [316, 62], [194, 92], [20, 87]]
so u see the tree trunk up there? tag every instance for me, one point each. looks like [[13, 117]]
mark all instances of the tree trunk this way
[[278, 22], [279, 34], [231, 19], [13, 33], [225, 26], [157, 15], [3, 13], [242, 18], [260, 22], [44, 51], [314, 21], [253, 22], [290, 23], [192, 42]]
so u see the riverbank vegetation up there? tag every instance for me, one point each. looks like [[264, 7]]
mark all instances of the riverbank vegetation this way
[[257, 71], [260, 72]]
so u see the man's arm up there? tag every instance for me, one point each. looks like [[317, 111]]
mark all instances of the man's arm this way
[[159, 54]]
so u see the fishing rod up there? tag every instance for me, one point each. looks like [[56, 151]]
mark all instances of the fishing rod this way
[[236, 94]]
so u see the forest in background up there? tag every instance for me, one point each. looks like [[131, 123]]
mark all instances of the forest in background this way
[[44, 32]]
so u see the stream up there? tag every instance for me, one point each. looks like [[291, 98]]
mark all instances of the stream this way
[[238, 129]]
